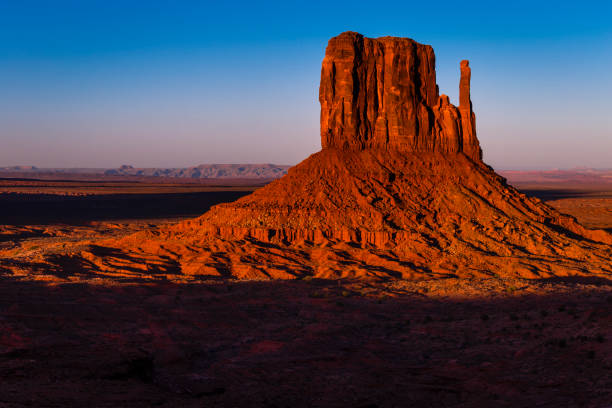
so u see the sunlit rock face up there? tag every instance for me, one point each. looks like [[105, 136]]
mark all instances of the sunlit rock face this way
[[382, 94], [398, 190]]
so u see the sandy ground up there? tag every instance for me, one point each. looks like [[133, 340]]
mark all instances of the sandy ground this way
[[301, 343]]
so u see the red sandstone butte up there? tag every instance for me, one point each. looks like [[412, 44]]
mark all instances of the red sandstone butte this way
[[398, 190], [382, 94]]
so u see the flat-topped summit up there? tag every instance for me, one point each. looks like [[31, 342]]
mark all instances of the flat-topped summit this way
[[381, 93]]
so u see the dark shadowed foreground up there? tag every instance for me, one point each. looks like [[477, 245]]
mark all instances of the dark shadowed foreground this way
[[303, 344]]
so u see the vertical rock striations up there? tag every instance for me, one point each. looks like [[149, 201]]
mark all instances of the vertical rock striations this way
[[382, 94]]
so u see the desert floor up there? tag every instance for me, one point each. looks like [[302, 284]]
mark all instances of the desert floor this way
[[286, 343]]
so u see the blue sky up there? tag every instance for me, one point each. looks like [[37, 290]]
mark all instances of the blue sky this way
[[166, 83]]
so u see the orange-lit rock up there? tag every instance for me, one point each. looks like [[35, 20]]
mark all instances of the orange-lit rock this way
[[398, 190], [382, 94]]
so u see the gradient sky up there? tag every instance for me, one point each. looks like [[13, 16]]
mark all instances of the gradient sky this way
[[179, 83]]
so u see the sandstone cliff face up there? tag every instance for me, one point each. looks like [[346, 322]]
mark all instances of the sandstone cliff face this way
[[382, 94]]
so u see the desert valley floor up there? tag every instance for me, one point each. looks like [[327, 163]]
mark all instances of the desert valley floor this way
[[308, 342]]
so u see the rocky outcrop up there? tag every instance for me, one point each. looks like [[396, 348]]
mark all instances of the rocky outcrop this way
[[398, 190], [382, 94]]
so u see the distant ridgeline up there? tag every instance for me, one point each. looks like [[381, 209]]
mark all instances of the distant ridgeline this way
[[273, 171], [203, 171]]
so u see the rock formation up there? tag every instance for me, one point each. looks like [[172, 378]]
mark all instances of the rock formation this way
[[398, 190], [382, 94]]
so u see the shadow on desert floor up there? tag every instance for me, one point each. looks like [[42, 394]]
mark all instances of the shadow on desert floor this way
[[302, 343], [557, 194], [41, 209]]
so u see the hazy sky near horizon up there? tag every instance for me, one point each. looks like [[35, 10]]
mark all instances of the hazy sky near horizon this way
[[173, 84]]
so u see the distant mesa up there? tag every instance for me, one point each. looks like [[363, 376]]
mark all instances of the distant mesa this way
[[19, 168], [398, 191], [263, 172], [206, 171]]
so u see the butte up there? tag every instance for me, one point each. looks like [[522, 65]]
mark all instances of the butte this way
[[398, 190]]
